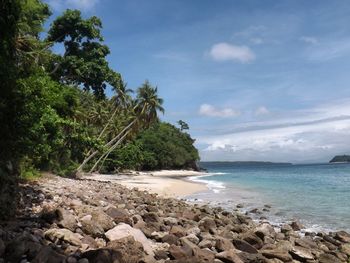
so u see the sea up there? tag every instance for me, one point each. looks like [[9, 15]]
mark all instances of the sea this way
[[317, 195]]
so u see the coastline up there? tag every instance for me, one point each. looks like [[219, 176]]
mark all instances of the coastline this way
[[84, 220], [165, 183]]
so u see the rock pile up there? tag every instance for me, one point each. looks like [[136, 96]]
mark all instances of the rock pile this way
[[83, 221]]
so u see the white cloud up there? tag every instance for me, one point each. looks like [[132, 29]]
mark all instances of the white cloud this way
[[224, 52], [261, 111], [84, 5], [316, 134], [211, 111], [309, 40]]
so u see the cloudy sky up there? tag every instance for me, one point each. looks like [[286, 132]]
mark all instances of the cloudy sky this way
[[255, 80]]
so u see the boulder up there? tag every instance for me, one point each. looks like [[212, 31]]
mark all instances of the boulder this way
[[301, 253], [2, 247], [66, 219], [343, 236], [124, 230], [244, 246], [48, 255], [178, 231], [179, 252], [265, 230], [223, 244], [24, 244], [286, 228], [66, 235], [296, 226], [345, 248], [207, 224], [170, 239], [328, 258], [278, 254], [253, 240], [229, 256], [204, 255], [119, 215]]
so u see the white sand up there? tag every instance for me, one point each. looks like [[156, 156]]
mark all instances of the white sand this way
[[167, 183]]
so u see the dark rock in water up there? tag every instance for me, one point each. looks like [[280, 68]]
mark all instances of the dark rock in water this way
[[239, 205], [244, 246], [296, 226], [286, 228]]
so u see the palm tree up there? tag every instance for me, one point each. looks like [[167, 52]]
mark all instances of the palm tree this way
[[146, 108]]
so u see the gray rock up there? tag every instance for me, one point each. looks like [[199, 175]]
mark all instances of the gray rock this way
[[66, 219], [124, 230], [63, 234]]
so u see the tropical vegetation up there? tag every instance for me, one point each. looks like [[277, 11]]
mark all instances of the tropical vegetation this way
[[54, 111]]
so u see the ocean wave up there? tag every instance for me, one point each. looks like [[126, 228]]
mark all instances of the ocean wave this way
[[214, 186]]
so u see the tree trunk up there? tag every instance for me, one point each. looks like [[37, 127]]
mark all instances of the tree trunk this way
[[81, 166]]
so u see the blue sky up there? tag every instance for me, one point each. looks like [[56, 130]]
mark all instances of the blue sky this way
[[255, 80]]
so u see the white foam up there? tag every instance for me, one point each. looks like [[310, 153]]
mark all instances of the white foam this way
[[214, 186]]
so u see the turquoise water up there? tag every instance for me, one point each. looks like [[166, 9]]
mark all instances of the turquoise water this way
[[316, 194]]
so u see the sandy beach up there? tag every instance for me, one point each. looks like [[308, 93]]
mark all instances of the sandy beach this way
[[166, 183]]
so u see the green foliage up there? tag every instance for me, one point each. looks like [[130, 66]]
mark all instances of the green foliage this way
[[162, 146], [84, 60]]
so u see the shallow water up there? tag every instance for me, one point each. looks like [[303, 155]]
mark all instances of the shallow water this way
[[316, 194]]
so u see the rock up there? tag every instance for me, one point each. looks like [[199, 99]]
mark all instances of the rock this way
[[170, 239], [253, 240], [244, 246], [296, 226], [343, 236], [24, 244], [206, 243], [161, 254], [48, 255], [158, 235], [281, 255], [207, 224], [305, 242], [286, 228], [150, 218], [177, 252], [66, 219], [194, 230], [63, 234], [265, 230], [125, 250], [328, 258], [101, 219], [301, 253], [2, 248], [119, 215], [170, 221], [90, 227], [124, 230], [193, 238], [239, 205], [204, 255], [345, 248], [223, 244], [178, 231], [71, 260], [229, 256]]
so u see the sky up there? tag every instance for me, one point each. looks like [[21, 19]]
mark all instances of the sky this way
[[255, 80]]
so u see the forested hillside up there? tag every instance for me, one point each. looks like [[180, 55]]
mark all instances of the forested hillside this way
[[54, 111]]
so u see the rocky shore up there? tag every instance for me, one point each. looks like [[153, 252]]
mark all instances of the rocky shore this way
[[86, 221]]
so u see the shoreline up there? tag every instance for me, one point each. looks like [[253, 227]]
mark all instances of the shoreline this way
[[84, 220], [165, 183]]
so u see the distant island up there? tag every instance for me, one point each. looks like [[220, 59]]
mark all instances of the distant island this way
[[340, 159], [246, 163]]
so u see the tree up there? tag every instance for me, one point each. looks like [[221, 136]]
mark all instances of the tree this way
[[84, 60], [183, 125]]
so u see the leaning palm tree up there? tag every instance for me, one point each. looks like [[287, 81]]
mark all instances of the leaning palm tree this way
[[145, 109]]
